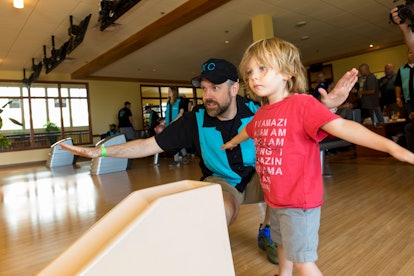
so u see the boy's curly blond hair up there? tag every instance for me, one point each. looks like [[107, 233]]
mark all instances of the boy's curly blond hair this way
[[279, 55]]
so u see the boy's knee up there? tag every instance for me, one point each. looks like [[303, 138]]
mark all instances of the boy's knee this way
[[308, 268]]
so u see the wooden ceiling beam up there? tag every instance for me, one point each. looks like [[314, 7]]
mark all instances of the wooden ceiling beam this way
[[182, 15]]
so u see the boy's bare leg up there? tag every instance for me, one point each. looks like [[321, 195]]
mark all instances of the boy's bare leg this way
[[308, 269], [285, 266], [266, 220]]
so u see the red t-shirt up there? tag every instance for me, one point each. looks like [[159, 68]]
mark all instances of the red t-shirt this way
[[286, 136]]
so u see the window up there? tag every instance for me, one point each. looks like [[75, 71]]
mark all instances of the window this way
[[157, 98], [48, 112]]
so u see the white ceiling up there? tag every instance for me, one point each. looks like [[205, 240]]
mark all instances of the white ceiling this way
[[335, 28]]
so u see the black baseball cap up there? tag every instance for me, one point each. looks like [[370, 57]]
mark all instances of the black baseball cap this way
[[216, 71]]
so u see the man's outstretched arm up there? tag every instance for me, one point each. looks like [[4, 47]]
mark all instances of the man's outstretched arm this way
[[133, 149]]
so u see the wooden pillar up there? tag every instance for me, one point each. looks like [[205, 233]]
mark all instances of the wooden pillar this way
[[262, 27]]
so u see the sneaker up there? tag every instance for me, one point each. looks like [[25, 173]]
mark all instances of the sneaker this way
[[265, 243], [271, 253], [264, 234], [174, 164], [185, 160]]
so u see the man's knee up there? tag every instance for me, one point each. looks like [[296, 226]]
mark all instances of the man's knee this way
[[231, 206]]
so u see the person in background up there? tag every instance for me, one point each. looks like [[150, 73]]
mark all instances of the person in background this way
[[206, 127], [352, 102], [387, 88], [404, 84], [153, 120], [404, 93], [286, 133], [321, 84], [408, 34], [370, 94], [176, 106], [125, 122], [112, 131]]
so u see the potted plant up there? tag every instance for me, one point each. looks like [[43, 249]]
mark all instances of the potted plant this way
[[4, 141], [51, 127]]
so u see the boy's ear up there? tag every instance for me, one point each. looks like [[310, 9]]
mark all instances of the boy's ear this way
[[287, 77]]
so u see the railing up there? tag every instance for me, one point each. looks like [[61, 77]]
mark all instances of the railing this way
[[41, 140], [79, 137]]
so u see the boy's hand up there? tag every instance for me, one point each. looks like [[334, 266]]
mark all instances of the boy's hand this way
[[229, 145], [340, 92]]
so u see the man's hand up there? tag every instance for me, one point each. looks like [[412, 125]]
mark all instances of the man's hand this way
[[394, 16], [384, 82], [341, 90], [405, 29], [82, 151], [399, 103]]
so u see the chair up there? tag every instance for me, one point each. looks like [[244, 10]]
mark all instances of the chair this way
[[59, 157], [102, 165], [333, 143]]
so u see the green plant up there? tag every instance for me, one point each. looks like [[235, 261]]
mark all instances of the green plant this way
[[49, 126], [4, 141], [52, 127]]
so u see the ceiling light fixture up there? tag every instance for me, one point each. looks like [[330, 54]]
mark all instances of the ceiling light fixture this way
[[18, 4], [301, 24], [226, 41]]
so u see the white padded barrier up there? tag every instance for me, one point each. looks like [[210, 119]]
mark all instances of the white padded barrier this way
[[172, 229], [59, 157], [103, 165]]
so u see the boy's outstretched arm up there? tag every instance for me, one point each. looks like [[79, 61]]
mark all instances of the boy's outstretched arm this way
[[358, 134], [239, 138]]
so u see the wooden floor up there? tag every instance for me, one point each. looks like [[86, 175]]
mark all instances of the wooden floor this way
[[367, 225]]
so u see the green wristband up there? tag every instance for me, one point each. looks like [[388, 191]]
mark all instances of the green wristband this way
[[103, 149]]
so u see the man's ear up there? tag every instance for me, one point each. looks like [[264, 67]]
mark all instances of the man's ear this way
[[234, 89]]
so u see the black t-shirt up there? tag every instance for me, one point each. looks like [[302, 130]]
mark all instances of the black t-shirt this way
[[123, 117], [154, 119], [206, 135]]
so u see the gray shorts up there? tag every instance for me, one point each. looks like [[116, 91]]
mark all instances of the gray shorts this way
[[252, 194], [297, 231]]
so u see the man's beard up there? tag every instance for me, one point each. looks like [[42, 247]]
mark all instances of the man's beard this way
[[218, 110]]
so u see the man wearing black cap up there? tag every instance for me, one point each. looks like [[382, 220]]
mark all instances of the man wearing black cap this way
[[210, 125]]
